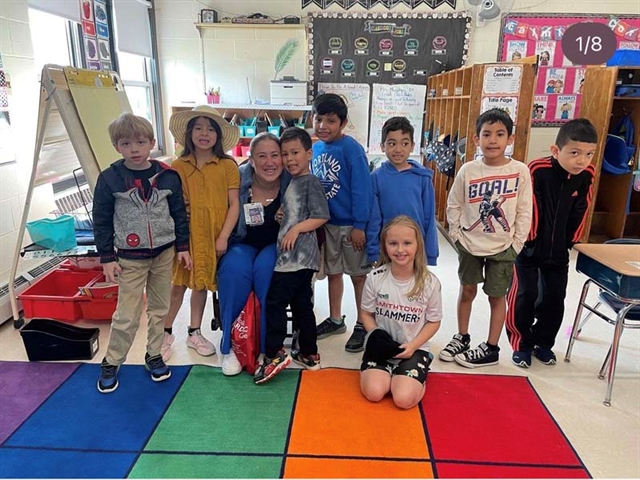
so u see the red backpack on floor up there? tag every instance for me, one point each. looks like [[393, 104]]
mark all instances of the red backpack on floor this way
[[245, 334]]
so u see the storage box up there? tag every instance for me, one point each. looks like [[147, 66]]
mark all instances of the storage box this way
[[55, 295], [248, 130], [274, 130], [56, 234], [48, 340], [288, 93]]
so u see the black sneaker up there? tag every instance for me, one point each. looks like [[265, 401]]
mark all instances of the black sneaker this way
[[156, 366], [329, 327], [270, 367], [311, 362], [355, 343], [481, 356], [545, 355], [108, 380], [456, 345], [521, 358]]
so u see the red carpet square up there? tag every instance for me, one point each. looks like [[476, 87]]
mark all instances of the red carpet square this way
[[453, 470], [333, 418], [308, 467], [491, 418]]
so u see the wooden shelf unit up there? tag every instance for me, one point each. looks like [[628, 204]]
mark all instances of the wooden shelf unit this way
[[608, 216], [454, 101]]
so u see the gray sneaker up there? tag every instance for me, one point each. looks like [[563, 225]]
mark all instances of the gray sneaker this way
[[355, 343], [329, 327]]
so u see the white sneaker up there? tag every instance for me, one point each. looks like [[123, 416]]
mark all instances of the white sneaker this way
[[230, 364], [165, 349], [203, 346]]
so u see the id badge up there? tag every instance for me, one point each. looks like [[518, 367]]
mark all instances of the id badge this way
[[254, 214]]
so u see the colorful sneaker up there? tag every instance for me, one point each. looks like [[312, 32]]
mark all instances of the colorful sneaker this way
[[108, 380], [156, 366], [481, 356], [203, 346], [270, 367], [311, 362], [329, 327], [456, 345], [545, 355], [230, 364], [521, 358], [355, 343], [165, 349]]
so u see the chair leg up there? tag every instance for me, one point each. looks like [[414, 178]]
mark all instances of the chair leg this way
[[614, 351], [605, 364], [586, 318], [576, 321]]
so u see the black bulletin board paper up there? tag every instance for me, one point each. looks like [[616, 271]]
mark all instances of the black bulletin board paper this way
[[390, 49]]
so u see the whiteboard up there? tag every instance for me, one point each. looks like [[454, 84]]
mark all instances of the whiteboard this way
[[396, 101], [356, 96]]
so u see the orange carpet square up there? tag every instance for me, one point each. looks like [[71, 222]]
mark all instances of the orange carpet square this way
[[330, 404], [307, 467]]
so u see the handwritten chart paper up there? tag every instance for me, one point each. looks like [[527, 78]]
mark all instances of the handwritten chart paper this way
[[356, 96], [396, 101]]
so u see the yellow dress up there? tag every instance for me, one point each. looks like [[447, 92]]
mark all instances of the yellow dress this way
[[206, 195]]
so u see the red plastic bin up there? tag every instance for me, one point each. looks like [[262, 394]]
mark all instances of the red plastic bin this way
[[98, 302], [54, 295]]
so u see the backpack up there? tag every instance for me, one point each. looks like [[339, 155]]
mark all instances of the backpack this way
[[619, 148], [445, 155]]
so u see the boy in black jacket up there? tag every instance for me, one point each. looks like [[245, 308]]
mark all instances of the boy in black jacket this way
[[139, 220], [562, 192]]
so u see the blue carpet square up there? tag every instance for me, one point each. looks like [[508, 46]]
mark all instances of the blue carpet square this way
[[78, 416], [34, 463]]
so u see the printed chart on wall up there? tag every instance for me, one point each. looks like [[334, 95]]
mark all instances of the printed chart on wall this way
[[356, 96], [501, 87], [559, 89], [396, 101], [397, 49]]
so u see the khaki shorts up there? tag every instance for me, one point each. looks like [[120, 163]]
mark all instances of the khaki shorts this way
[[498, 270], [340, 257]]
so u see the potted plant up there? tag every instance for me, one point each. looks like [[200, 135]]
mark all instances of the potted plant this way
[[284, 56]]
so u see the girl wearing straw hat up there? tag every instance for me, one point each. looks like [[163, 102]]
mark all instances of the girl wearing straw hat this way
[[210, 182]]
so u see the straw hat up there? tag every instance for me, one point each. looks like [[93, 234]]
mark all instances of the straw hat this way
[[178, 125]]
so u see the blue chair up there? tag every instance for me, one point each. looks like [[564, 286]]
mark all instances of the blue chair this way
[[627, 313]]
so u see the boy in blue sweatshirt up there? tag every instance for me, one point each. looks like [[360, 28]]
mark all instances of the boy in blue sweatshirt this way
[[341, 165], [401, 187]]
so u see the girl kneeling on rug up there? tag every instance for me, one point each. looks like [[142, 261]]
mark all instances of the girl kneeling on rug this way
[[401, 311]]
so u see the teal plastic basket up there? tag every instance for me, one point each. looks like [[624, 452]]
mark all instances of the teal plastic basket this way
[[56, 234]]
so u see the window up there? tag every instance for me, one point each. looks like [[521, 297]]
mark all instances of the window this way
[[52, 39], [136, 75]]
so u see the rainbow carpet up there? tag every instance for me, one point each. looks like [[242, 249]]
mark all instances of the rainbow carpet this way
[[54, 423]]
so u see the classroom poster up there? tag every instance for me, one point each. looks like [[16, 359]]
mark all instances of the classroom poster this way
[[566, 107], [356, 96], [508, 104], [557, 75], [578, 83], [546, 51], [555, 78], [540, 103], [516, 50], [502, 79]]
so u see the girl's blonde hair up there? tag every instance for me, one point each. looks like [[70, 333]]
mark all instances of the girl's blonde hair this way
[[420, 271]]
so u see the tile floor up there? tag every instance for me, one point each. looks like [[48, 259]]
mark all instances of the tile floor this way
[[607, 439]]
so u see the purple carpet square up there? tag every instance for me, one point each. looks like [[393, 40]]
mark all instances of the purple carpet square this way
[[24, 387]]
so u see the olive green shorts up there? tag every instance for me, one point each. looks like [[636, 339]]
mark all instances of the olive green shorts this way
[[495, 272]]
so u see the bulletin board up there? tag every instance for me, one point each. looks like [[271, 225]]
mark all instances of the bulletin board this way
[[558, 93], [393, 48]]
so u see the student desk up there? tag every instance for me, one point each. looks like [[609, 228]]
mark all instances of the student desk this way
[[615, 268]]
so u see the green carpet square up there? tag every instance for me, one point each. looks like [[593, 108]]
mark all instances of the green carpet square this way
[[205, 466], [214, 413]]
